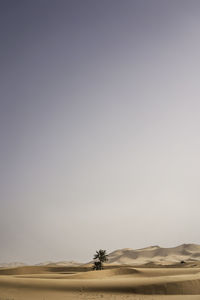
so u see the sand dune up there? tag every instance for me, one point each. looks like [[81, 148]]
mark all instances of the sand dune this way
[[128, 256], [153, 279], [121, 282], [60, 263], [40, 270], [12, 265], [155, 254]]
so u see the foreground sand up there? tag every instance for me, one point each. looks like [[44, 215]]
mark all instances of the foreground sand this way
[[48, 283]]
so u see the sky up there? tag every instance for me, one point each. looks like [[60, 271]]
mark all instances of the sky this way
[[99, 126]]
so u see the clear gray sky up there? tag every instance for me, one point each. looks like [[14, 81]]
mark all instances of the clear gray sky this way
[[99, 126]]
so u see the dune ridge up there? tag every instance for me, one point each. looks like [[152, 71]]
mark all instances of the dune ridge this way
[[127, 256], [155, 254]]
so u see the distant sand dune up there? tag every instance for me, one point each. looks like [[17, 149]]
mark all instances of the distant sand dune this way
[[155, 254]]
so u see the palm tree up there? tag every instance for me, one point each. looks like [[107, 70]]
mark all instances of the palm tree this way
[[99, 258], [97, 265]]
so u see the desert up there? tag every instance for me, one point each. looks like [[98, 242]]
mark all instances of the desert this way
[[172, 279], [99, 149]]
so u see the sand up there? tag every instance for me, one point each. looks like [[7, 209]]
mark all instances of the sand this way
[[156, 255], [119, 282]]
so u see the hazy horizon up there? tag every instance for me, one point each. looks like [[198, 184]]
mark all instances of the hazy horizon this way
[[99, 118], [155, 257]]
